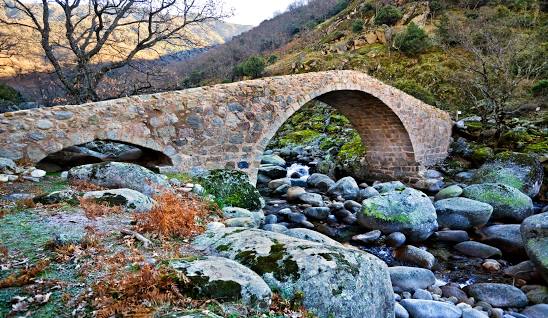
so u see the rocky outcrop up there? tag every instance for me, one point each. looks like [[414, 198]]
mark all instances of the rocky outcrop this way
[[331, 280], [221, 278]]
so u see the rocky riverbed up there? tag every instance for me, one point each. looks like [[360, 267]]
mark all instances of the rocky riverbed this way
[[472, 244]]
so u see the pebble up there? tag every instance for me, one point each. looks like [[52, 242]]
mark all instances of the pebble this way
[[422, 294], [38, 173], [477, 249], [369, 237], [396, 239], [414, 255], [452, 236], [491, 265]]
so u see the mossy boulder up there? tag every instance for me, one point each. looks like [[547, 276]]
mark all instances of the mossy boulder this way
[[64, 196], [223, 279], [232, 188], [408, 211], [534, 231], [120, 175], [521, 171], [331, 281], [508, 202]]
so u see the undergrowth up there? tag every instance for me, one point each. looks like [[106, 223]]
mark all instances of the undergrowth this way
[[174, 216], [94, 209]]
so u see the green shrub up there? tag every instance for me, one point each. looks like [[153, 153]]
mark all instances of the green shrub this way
[[413, 88], [540, 88], [413, 40], [357, 26], [272, 59], [9, 94], [388, 15], [252, 67]]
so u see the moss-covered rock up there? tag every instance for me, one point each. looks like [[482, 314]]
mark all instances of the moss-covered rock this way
[[408, 211], [481, 154], [521, 171], [131, 200], [332, 281], [232, 188], [508, 203], [534, 231], [222, 279]]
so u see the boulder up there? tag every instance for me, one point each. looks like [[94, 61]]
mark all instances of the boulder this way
[[118, 175], [449, 192], [320, 181], [346, 188], [313, 199], [275, 184], [416, 256], [131, 200], [221, 278], [405, 278], [7, 165], [507, 237], [368, 238], [273, 160], [233, 188], [64, 196], [536, 311], [273, 172], [366, 193], [455, 236], [409, 211], [420, 308], [332, 280], [508, 203], [518, 170], [317, 213], [293, 193], [462, 213], [477, 249], [389, 186], [497, 295], [233, 212], [534, 231]]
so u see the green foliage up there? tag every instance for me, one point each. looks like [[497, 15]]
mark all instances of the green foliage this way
[[252, 67], [357, 26], [340, 6], [540, 88], [300, 137], [413, 88], [353, 150], [232, 188], [9, 94], [413, 40], [388, 15], [193, 80], [272, 59]]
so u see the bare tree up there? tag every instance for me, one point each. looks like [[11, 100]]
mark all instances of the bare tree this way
[[497, 65], [86, 40], [7, 47]]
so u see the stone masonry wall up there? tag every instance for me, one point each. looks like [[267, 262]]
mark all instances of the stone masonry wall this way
[[230, 125]]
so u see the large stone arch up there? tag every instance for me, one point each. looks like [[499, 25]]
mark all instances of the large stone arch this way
[[229, 125], [390, 150]]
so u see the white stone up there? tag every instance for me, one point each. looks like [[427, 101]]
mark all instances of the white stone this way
[[4, 178], [38, 173]]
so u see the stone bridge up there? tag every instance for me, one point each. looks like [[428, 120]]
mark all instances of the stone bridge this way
[[230, 125]]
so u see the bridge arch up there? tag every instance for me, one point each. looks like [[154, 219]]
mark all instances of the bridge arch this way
[[390, 151], [229, 125]]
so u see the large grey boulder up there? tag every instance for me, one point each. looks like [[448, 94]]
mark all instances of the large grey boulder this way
[[222, 278], [506, 237], [519, 170], [405, 278], [346, 188], [409, 211], [497, 295], [462, 213], [118, 175], [313, 236], [508, 203], [333, 281], [131, 200], [420, 308], [534, 231]]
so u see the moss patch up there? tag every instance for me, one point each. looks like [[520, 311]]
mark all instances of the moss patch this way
[[277, 262], [232, 188]]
